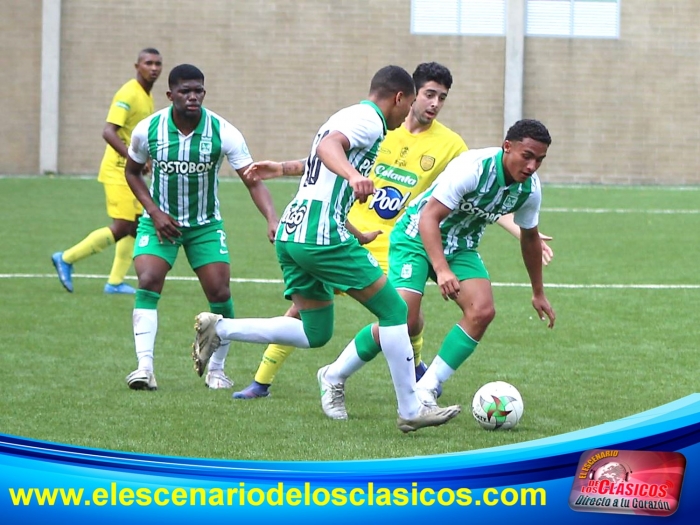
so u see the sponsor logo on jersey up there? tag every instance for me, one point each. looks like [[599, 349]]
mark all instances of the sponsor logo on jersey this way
[[468, 207], [396, 175], [183, 167], [205, 147], [388, 202], [427, 162], [366, 165], [293, 218]]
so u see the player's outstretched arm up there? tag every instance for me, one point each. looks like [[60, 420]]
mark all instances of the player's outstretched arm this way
[[269, 169], [508, 224]]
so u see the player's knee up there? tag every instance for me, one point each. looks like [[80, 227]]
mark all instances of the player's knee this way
[[388, 306], [318, 335], [483, 314]]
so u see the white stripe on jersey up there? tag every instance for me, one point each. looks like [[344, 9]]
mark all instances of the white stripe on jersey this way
[[163, 155]]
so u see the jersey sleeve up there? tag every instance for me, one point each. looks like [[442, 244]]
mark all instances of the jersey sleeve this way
[[121, 106], [460, 176], [138, 149], [233, 145], [362, 129], [528, 215]]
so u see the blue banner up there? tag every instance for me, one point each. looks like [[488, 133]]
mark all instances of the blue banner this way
[[530, 482]]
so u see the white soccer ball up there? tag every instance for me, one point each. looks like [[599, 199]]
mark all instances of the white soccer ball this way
[[497, 406]]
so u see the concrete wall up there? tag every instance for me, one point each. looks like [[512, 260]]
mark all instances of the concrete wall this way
[[619, 110]]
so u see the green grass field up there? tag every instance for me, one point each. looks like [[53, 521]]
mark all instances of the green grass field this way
[[617, 349]]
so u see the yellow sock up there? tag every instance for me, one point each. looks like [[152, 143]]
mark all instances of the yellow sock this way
[[272, 361], [94, 243], [123, 253], [417, 344]]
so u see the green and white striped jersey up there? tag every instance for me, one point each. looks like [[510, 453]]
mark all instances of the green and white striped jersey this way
[[318, 212], [473, 186], [185, 168]]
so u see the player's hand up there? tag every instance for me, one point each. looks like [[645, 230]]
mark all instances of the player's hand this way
[[146, 171], [543, 308], [547, 252], [272, 230], [362, 187], [263, 170], [368, 237], [448, 283], [166, 227]]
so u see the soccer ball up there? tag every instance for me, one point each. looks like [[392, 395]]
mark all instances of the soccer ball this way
[[497, 406]]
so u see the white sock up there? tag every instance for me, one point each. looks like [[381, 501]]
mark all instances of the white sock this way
[[145, 328], [396, 347], [437, 373], [277, 330], [218, 358], [347, 363]]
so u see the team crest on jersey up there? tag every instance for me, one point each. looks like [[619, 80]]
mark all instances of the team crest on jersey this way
[[143, 241], [406, 271], [427, 162], [511, 200], [372, 260], [205, 147]]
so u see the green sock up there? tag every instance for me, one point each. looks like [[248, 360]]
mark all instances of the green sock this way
[[225, 308], [146, 299], [367, 347], [456, 347]]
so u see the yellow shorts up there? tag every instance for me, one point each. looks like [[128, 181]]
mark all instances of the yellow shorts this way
[[121, 202]]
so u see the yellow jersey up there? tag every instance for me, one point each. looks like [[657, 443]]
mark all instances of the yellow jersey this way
[[406, 166], [130, 105]]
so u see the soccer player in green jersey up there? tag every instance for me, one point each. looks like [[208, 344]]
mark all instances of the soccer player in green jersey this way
[[319, 254], [186, 144], [130, 105], [438, 237]]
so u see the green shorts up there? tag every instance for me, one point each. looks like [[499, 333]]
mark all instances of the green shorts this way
[[410, 268], [314, 271], [203, 245]]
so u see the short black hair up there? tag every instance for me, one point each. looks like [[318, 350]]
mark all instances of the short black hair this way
[[389, 80], [147, 51], [184, 72], [529, 128], [432, 72]]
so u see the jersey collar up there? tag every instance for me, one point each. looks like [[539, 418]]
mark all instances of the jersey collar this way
[[379, 112], [197, 130]]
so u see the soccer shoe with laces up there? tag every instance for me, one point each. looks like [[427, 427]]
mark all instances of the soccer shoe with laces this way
[[142, 380], [332, 396], [64, 271], [254, 390], [205, 340], [428, 416], [121, 288], [427, 396], [216, 379]]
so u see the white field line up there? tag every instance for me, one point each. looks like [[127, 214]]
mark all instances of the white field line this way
[[619, 210], [279, 281]]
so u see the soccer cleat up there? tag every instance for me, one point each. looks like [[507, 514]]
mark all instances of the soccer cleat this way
[[428, 416], [332, 396], [121, 288], [252, 391], [64, 271], [421, 369], [427, 396], [216, 379], [205, 340], [142, 380]]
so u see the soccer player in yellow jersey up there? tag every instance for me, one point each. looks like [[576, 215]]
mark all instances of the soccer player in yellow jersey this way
[[410, 158], [130, 105]]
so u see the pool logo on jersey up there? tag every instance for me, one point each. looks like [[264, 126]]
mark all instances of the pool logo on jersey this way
[[388, 202]]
